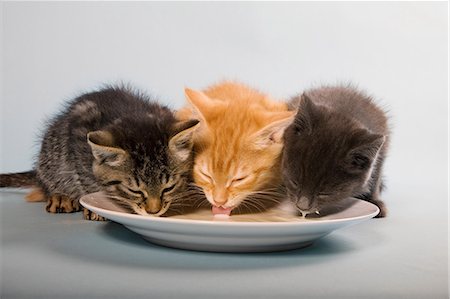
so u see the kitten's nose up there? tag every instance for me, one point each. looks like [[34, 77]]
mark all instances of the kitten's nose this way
[[220, 197], [304, 203], [219, 201], [153, 205]]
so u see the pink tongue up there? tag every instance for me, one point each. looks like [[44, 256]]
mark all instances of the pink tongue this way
[[220, 210]]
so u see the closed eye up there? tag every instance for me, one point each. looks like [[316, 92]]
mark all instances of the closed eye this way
[[168, 189], [207, 177], [293, 184], [324, 194], [137, 192], [112, 183], [239, 179]]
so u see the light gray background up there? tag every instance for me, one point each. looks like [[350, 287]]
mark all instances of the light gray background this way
[[396, 51]]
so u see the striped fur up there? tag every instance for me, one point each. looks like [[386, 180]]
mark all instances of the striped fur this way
[[112, 140], [18, 180], [238, 145]]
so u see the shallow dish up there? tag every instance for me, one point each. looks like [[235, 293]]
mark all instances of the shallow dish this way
[[271, 231]]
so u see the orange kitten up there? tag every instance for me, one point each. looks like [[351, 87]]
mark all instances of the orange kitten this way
[[237, 145]]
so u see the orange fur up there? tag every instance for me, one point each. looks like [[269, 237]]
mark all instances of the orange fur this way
[[239, 142], [36, 195]]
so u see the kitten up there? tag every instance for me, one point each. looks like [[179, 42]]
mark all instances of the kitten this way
[[334, 149], [117, 141], [238, 146]]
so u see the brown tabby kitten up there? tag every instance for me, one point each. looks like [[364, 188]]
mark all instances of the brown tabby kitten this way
[[117, 141], [334, 149]]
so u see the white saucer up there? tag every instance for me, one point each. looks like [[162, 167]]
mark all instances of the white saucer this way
[[240, 233]]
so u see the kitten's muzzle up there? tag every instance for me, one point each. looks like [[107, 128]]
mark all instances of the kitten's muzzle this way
[[153, 205], [306, 204]]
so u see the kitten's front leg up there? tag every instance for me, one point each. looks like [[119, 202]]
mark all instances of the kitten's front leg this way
[[374, 197], [88, 215], [380, 204], [376, 189]]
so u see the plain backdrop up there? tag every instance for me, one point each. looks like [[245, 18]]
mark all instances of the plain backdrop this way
[[396, 51]]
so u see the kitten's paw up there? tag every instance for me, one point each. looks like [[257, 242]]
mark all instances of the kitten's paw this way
[[88, 215], [62, 204], [382, 207]]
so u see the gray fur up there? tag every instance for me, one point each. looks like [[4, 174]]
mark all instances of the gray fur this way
[[335, 148]]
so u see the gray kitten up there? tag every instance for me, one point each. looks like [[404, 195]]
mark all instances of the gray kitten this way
[[117, 141], [334, 149]]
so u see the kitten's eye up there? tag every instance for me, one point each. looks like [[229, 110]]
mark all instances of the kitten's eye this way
[[137, 192], [168, 189], [293, 184], [323, 194], [112, 183], [239, 179], [207, 177]]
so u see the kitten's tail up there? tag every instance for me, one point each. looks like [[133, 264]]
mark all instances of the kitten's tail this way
[[23, 180], [18, 179]]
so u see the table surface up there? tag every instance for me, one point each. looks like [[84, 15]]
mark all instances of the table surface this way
[[62, 256]]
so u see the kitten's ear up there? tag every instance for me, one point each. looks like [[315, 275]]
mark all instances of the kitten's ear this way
[[306, 104], [203, 106], [182, 141], [361, 158], [273, 133], [200, 101], [305, 114], [103, 149]]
